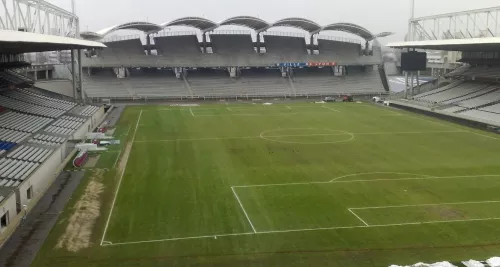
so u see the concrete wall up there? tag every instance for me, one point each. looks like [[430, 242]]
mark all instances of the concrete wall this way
[[63, 87], [98, 117], [222, 60], [8, 205], [80, 133], [42, 177], [89, 125]]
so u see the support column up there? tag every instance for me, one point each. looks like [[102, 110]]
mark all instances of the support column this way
[[411, 84], [233, 72], [179, 72], [311, 45], [148, 44], [366, 48], [80, 76], [204, 42], [258, 42], [406, 85], [73, 73]]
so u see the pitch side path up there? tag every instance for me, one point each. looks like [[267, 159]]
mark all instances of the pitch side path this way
[[297, 184]]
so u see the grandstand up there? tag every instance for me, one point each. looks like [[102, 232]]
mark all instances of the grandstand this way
[[177, 45], [227, 64], [44, 121], [36, 126], [469, 92]]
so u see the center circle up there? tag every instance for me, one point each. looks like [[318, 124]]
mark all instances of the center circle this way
[[306, 136]]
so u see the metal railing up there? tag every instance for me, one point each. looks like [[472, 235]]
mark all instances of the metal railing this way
[[174, 33], [286, 34], [121, 38], [339, 39], [152, 97], [233, 32]]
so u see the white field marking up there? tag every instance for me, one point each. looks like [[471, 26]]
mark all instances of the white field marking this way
[[299, 230], [425, 205], [332, 109], [248, 114], [367, 173], [288, 107], [104, 243], [451, 126], [442, 124], [197, 139], [243, 209], [427, 132], [190, 110], [374, 226], [117, 157], [382, 108], [359, 218], [305, 135], [120, 181], [280, 136], [128, 130], [337, 133], [177, 239], [369, 180], [228, 109]]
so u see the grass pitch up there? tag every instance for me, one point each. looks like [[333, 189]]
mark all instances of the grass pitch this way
[[293, 185]]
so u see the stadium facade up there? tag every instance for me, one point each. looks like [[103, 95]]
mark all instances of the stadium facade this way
[[231, 64]]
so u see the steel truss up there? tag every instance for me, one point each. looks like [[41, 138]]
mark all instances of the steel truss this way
[[37, 16], [477, 23]]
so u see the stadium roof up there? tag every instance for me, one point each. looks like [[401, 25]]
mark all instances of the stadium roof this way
[[247, 21], [350, 28], [301, 23], [17, 42], [195, 22], [136, 25], [465, 45], [257, 24]]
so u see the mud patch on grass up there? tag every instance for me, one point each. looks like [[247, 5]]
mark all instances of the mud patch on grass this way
[[86, 211], [92, 161], [447, 213]]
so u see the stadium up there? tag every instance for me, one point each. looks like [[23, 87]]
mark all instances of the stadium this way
[[258, 147]]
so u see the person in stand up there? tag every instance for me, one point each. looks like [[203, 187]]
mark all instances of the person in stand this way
[[25, 208]]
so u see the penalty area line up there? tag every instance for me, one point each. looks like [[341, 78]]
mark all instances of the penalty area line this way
[[243, 209], [359, 218], [107, 243], [371, 180]]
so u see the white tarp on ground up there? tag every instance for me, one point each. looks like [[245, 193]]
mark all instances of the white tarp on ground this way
[[493, 262], [421, 264], [473, 263]]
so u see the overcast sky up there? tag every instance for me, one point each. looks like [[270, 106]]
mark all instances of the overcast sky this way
[[375, 15]]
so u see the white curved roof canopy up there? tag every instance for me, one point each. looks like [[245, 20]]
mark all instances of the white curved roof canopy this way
[[350, 28], [143, 26], [254, 23], [247, 21], [195, 22], [300, 23]]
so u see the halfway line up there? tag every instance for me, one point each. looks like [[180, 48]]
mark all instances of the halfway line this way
[[301, 135]]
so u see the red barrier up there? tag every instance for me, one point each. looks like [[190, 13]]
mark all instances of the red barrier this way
[[80, 159]]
